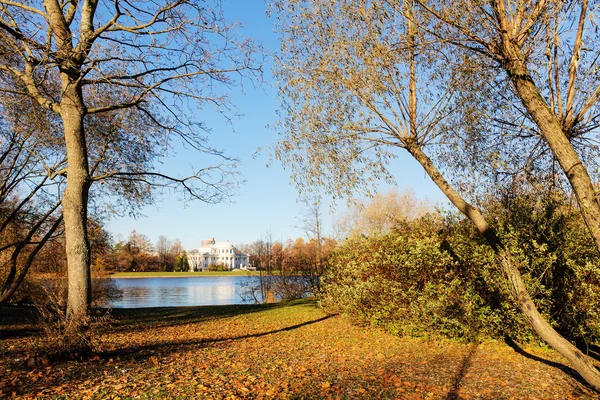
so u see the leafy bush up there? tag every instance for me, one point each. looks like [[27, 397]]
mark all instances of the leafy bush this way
[[559, 259], [217, 267], [412, 282], [436, 276]]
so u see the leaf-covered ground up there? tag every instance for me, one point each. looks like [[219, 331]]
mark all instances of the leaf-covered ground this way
[[272, 351]]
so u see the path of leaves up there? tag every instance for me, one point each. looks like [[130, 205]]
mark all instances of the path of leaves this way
[[272, 352]]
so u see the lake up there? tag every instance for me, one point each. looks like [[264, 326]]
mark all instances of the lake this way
[[174, 292]]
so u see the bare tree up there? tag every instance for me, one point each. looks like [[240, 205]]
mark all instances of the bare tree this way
[[383, 212], [29, 201], [362, 79], [312, 225], [163, 247], [155, 59]]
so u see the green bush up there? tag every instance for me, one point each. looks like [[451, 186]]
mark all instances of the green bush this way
[[412, 281], [217, 267], [559, 259], [436, 276]]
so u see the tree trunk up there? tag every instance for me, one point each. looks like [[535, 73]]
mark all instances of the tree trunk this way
[[575, 357], [75, 200], [552, 130]]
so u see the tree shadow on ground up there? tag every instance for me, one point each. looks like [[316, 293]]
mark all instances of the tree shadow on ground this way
[[21, 322], [139, 318], [145, 351], [591, 350], [18, 322], [142, 353], [567, 370], [453, 394]]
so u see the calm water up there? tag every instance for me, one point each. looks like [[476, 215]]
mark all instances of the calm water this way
[[172, 292]]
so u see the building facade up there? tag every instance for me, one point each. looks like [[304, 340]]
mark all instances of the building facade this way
[[216, 253]]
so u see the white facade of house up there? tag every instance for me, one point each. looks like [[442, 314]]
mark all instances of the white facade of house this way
[[216, 253]]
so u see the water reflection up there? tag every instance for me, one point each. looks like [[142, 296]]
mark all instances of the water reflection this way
[[171, 292]]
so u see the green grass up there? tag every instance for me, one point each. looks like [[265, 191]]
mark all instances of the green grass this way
[[182, 274]]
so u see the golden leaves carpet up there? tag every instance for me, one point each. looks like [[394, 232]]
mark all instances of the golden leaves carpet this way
[[295, 351]]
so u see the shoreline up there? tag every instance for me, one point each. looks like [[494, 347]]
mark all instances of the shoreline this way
[[134, 275]]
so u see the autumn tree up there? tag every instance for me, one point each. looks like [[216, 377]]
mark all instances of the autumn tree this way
[[311, 222], [541, 46], [361, 80], [29, 200], [277, 250], [136, 254], [382, 213], [296, 259], [156, 61]]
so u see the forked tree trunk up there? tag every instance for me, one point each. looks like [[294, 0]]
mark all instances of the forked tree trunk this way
[[552, 130], [75, 201], [576, 358]]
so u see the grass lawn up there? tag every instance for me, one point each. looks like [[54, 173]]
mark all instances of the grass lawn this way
[[182, 274], [274, 351]]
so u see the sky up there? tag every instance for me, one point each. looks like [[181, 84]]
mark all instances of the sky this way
[[267, 201]]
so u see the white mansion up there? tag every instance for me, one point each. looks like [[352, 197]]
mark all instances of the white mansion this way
[[216, 253]]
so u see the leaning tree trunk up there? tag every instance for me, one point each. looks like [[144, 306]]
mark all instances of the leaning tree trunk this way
[[576, 358], [552, 130], [75, 201]]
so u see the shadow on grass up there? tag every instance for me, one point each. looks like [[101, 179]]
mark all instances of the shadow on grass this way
[[142, 352], [140, 318], [567, 370], [138, 354], [18, 322], [126, 320], [460, 374], [21, 322]]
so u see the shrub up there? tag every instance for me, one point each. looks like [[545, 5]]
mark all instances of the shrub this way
[[62, 336], [428, 277], [217, 267], [558, 257], [435, 275]]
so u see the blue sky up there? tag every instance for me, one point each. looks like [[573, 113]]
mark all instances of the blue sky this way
[[267, 200]]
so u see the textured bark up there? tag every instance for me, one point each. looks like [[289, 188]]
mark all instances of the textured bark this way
[[575, 357], [552, 130], [75, 200]]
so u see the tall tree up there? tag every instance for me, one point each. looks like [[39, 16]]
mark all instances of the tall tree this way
[[163, 247], [157, 60], [311, 222], [541, 48], [358, 81]]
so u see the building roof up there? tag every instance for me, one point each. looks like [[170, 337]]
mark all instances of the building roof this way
[[223, 245]]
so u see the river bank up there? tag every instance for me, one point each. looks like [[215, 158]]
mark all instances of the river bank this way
[[182, 274]]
